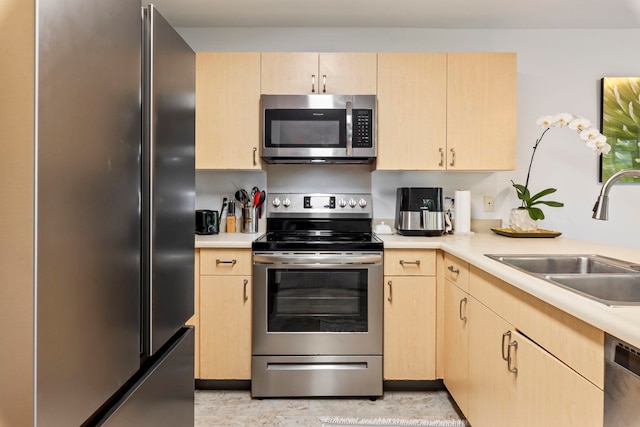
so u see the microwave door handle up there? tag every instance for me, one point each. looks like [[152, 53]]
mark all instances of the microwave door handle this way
[[349, 105]]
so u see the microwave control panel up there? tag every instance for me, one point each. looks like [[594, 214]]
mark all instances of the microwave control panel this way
[[362, 123]]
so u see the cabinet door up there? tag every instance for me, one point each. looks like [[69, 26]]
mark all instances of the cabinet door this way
[[412, 106], [225, 323], [289, 73], [456, 344], [481, 111], [348, 73], [409, 328], [491, 384], [195, 319], [227, 110], [550, 393]]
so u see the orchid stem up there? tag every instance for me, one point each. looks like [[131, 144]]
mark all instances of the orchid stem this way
[[535, 147]]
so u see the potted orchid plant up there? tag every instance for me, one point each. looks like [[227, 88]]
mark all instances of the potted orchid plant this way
[[525, 217]]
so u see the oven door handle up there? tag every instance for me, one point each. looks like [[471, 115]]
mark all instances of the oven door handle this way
[[317, 259]]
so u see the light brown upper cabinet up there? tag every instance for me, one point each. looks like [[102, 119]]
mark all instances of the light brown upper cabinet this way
[[412, 110], [446, 111], [291, 73], [227, 110], [481, 111]]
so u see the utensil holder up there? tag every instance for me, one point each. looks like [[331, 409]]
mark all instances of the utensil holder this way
[[249, 220]]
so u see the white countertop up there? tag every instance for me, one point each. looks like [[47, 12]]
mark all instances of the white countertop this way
[[622, 322], [226, 240]]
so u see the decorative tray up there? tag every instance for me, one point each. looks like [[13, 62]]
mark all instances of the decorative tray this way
[[540, 232]]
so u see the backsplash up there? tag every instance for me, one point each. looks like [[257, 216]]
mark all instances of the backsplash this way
[[212, 186]]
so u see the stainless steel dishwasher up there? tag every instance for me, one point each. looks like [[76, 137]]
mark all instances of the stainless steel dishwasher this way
[[621, 384]]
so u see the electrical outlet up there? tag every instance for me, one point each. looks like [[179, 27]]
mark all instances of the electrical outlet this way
[[488, 203]]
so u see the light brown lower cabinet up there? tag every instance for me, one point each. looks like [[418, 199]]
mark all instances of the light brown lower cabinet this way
[[511, 379], [225, 314], [409, 327], [550, 393], [456, 344], [225, 319], [195, 319], [492, 386]]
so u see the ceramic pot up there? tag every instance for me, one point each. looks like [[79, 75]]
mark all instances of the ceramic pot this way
[[519, 220]]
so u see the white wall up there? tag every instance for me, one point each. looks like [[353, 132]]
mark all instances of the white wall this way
[[558, 71]]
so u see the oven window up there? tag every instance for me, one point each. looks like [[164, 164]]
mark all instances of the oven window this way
[[322, 300]]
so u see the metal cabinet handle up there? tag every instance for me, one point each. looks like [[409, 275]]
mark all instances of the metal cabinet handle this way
[[324, 83], [390, 297], [232, 262], [441, 163], [513, 344], [505, 335], [255, 162], [462, 301], [453, 157], [454, 270], [403, 262], [245, 283], [313, 83]]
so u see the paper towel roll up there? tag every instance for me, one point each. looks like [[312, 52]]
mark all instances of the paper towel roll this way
[[462, 203]]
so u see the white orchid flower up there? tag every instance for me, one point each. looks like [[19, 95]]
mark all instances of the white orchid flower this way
[[601, 144], [579, 124], [544, 121], [590, 133], [562, 119]]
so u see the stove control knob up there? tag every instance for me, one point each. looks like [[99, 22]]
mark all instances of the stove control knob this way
[[362, 203], [342, 203], [276, 202], [286, 203], [353, 203]]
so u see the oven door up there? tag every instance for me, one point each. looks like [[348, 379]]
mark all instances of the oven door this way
[[317, 303]]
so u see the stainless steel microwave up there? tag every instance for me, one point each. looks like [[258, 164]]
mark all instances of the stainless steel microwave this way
[[318, 128]]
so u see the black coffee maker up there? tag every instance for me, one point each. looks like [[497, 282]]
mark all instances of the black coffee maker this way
[[419, 211], [207, 222]]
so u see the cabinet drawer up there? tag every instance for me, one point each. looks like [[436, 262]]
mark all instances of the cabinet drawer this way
[[456, 271], [405, 262], [225, 261]]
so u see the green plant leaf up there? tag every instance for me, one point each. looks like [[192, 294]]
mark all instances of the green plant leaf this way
[[521, 191], [543, 193], [550, 203], [535, 213]]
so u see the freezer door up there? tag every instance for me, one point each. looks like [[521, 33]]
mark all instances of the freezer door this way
[[164, 394], [169, 180], [87, 205]]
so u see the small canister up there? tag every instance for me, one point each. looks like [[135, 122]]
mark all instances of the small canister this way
[[249, 219]]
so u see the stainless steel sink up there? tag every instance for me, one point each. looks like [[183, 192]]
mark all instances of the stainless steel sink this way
[[610, 289], [607, 280], [566, 264]]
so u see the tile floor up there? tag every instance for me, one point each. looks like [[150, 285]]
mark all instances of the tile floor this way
[[236, 408]]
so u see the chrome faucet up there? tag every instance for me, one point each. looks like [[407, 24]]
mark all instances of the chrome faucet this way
[[601, 208]]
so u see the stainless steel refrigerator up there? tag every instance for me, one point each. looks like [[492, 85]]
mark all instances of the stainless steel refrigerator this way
[[100, 335]]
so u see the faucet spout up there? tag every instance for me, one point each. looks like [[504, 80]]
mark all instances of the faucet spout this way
[[601, 208]]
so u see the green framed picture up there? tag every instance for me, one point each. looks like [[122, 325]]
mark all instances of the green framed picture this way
[[621, 125]]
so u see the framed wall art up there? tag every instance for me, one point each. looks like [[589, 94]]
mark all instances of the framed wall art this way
[[620, 123]]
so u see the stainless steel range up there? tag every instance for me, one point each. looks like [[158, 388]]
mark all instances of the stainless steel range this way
[[317, 298]]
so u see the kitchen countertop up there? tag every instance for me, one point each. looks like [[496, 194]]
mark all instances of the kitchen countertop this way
[[226, 240], [622, 322]]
